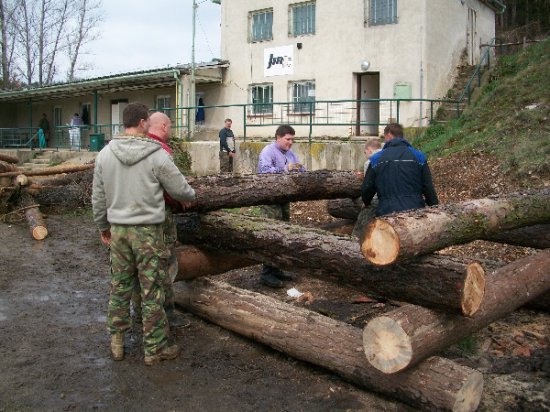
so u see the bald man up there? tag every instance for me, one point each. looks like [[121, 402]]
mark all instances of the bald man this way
[[159, 130]]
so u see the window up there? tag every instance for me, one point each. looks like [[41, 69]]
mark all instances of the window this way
[[382, 12], [302, 17], [85, 111], [302, 93], [57, 119], [163, 103], [261, 96], [261, 25]]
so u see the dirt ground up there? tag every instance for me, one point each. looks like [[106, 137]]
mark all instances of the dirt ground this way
[[54, 348]]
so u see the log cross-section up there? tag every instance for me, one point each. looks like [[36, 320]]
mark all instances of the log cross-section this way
[[435, 281], [435, 384], [404, 235], [409, 334]]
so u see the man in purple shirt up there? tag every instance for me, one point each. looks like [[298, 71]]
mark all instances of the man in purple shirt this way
[[278, 157]]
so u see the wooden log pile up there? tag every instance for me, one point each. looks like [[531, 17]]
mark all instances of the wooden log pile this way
[[448, 298]]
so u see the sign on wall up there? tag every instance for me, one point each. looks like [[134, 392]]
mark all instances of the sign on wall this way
[[279, 61]]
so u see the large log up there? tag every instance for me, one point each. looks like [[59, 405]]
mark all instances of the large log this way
[[536, 236], [435, 281], [9, 159], [228, 191], [344, 208], [436, 384], [417, 232], [194, 262], [409, 334]]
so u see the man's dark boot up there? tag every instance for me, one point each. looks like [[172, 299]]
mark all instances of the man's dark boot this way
[[176, 319], [279, 274], [268, 278]]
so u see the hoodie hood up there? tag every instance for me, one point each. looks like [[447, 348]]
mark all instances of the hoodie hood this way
[[132, 149]]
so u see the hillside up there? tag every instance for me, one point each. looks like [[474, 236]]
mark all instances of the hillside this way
[[506, 129]]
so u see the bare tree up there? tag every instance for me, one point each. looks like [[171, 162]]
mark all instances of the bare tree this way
[[7, 42], [88, 18]]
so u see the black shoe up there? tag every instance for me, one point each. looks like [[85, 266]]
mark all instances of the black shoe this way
[[279, 274], [269, 279]]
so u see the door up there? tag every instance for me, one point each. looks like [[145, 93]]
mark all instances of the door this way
[[117, 107], [368, 113]]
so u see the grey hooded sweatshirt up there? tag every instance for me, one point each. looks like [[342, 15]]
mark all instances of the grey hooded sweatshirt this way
[[130, 175]]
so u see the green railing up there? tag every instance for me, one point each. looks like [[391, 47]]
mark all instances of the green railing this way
[[18, 137]]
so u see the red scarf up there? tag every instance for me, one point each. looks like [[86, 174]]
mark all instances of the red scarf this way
[[167, 198]]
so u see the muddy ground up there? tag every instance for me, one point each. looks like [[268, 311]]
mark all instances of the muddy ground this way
[[54, 348]]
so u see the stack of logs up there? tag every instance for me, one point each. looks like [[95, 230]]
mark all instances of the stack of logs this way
[[447, 298], [18, 192]]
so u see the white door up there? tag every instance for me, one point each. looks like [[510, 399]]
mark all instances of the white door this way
[[369, 112], [116, 117], [473, 40]]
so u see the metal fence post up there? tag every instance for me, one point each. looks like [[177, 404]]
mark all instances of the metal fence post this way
[[310, 120], [244, 122]]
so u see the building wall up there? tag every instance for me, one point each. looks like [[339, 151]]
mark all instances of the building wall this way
[[421, 50]]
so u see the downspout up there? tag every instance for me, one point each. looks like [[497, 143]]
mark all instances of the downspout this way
[[176, 74], [95, 111]]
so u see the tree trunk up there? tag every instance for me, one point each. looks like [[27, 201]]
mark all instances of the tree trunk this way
[[8, 159], [33, 216], [344, 208], [341, 227], [225, 191], [432, 281], [436, 384], [407, 335], [194, 262], [401, 236], [52, 170], [536, 236]]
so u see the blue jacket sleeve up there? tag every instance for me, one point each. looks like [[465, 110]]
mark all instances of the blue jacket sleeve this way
[[368, 187]]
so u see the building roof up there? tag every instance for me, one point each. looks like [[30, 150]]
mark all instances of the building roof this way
[[145, 79]]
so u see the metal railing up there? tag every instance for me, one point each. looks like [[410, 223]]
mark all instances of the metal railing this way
[[17, 137]]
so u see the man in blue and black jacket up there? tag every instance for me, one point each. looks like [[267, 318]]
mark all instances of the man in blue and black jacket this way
[[399, 174]]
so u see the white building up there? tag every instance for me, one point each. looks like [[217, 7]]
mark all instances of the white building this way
[[319, 50]]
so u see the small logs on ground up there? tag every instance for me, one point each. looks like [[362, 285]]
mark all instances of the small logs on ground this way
[[228, 191], [34, 218], [407, 335], [401, 236], [194, 262], [51, 170], [435, 281], [436, 384]]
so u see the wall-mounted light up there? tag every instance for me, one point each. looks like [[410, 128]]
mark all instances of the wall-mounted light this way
[[299, 45], [365, 64]]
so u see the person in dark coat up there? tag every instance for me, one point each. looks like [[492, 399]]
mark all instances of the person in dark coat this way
[[399, 174]]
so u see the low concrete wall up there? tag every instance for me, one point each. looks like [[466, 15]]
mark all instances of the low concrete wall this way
[[324, 155]]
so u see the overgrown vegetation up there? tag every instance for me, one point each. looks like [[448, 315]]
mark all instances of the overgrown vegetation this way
[[182, 158], [509, 120]]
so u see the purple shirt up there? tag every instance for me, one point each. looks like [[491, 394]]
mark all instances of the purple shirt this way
[[274, 160]]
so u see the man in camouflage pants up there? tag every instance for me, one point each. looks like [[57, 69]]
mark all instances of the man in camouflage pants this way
[[130, 176]]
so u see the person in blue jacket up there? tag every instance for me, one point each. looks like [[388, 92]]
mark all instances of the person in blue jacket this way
[[399, 174]]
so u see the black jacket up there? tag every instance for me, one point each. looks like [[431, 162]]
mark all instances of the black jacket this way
[[400, 175]]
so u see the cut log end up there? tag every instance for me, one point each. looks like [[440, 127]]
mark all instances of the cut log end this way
[[39, 232], [380, 245], [474, 289], [469, 396], [387, 346]]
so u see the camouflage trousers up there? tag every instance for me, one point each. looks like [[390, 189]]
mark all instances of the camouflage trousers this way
[[136, 253], [168, 262]]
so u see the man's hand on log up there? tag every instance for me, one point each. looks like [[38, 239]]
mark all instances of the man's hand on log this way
[[106, 237], [188, 205]]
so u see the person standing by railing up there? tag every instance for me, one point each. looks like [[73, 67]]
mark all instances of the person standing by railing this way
[[74, 131], [227, 153]]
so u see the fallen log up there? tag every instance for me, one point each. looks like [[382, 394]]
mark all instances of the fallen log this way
[[34, 218], [194, 262], [9, 159], [436, 384], [436, 281], [51, 170], [407, 335], [228, 191], [536, 236], [342, 227], [344, 208], [401, 236]]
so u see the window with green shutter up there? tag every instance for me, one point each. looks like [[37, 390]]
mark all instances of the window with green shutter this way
[[302, 17], [261, 96], [261, 25], [381, 12]]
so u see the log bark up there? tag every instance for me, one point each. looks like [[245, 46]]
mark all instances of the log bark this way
[[435, 281], [536, 236], [405, 336], [226, 191], [34, 218], [344, 208], [51, 170], [436, 384], [402, 236], [8, 159], [194, 262], [342, 227]]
